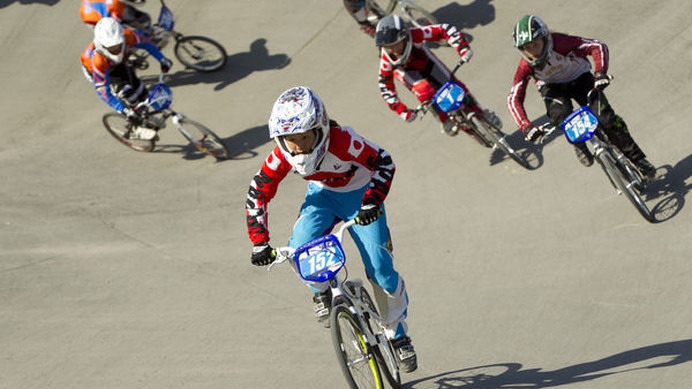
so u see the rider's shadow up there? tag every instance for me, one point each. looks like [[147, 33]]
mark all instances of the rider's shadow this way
[[238, 66], [671, 187], [467, 16], [240, 146], [5, 3], [511, 375], [532, 152]]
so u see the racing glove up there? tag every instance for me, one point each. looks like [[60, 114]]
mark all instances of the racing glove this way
[[166, 65], [368, 214], [533, 134], [262, 254], [601, 80], [466, 54], [408, 115]]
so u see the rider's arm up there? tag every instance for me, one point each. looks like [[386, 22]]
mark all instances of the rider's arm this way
[[137, 40], [438, 32], [372, 157], [387, 88], [583, 47], [262, 189], [99, 75], [517, 95]]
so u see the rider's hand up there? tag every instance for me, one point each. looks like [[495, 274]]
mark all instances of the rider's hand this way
[[466, 54], [166, 65], [262, 254], [408, 115], [368, 214], [533, 134], [601, 80], [132, 116]]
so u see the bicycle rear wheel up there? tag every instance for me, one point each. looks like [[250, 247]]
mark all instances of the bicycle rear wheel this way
[[377, 9], [204, 139], [499, 140], [624, 183], [200, 53], [354, 355], [418, 16], [384, 353], [117, 125]]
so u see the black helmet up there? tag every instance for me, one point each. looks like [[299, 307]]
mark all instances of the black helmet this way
[[391, 30]]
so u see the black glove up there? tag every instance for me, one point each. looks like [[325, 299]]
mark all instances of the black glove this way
[[132, 116], [368, 214], [166, 65], [262, 254], [533, 134], [601, 80]]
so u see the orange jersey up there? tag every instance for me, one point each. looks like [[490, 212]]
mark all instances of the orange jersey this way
[[92, 11]]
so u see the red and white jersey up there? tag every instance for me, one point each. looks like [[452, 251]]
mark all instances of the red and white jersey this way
[[567, 61], [419, 58], [350, 163]]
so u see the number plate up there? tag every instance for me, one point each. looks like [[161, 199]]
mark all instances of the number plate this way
[[320, 260], [580, 126], [449, 97], [166, 18], [160, 97]]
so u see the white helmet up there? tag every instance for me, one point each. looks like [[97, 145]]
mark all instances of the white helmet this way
[[109, 39], [296, 111]]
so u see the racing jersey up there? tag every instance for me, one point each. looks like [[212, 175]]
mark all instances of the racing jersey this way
[[350, 163], [419, 59], [99, 66], [564, 63], [92, 11]]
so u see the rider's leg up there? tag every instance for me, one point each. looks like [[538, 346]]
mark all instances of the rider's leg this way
[[136, 18], [129, 86]]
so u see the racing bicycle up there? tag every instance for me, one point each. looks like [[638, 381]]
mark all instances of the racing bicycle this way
[[197, 52], [452, 99], [582, 126], [363, 351], [153, 114], [412, 12]]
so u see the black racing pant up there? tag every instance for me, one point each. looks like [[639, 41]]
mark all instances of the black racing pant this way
[[558, 103], [124, 81]]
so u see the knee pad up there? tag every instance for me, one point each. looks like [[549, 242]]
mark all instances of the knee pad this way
[[423, 90]]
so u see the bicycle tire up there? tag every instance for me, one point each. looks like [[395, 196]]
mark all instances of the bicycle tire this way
[[376, 10], [386, 359], [204, 139], [499, 140], [121, 129], [200, 53], [624, 184], [359, 366], [418, 16]]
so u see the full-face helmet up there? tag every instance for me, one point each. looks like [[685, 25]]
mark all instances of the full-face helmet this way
[[529, 29], [109, 39], [390, 31], [299, 110]]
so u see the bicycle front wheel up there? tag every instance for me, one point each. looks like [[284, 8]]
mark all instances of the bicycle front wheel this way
[[418, 16], [353, 353], [624, 183], [200, 53], [204, 139], [117, 125]]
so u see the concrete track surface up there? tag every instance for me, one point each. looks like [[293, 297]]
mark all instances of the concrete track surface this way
[[129, 270]]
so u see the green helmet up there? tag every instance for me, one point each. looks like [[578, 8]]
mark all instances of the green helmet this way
[[529, 29]]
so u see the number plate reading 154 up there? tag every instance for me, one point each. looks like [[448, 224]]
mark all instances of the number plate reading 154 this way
[[580, 126], [320, 260]]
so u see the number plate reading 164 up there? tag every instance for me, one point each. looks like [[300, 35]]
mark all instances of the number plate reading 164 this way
[[580, 126]]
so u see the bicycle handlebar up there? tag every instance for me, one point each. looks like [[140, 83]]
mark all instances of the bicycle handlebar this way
[[284, 253], [424, 107]]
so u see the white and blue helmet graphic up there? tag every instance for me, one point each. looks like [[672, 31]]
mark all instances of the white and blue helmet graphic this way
[[296, 111]]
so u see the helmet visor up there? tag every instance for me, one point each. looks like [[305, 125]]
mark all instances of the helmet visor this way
[[115, 49]]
